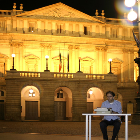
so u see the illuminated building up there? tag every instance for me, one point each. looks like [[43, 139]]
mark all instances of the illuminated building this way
[[79, 46]]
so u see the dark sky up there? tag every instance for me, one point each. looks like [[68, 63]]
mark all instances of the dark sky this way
[[87, 6]]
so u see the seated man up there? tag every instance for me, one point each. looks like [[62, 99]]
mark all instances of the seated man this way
[[111, 120]]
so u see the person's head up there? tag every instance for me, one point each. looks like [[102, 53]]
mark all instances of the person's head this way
[[110, 96]]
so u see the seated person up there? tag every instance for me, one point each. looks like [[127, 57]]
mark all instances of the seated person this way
[[111, 120]]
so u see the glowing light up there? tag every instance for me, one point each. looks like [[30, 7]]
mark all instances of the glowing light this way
[[31, 90], [30, 94], [129, 3], [13, 55], [46, 56], [132, 15], [109, 59], [90, 92]]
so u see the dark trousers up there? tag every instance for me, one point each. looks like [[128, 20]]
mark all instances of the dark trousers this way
[[105, 123]]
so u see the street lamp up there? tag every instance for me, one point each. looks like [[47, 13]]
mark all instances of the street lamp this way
[[13, 55], [46, 62], [110, 60], [79, 65], [132, 15], [130, 3]]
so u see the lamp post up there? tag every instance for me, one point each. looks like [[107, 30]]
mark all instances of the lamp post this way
[[110, 60], [13, 55], [46, 62], [131, 3], [79, 65]]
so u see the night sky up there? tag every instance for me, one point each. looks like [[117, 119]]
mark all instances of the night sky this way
[[112, 8]]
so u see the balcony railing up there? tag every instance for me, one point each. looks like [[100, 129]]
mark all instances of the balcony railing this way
[[57, 75], [29, 74]]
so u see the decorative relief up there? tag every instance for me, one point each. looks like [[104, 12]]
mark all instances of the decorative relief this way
[[101, 48], [70, 47], [46, 45], [16, 44], [3, 56], [74, 47], [127, 50], [59, 12], [87, 58]]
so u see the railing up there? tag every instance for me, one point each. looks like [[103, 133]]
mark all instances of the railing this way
[[63, 75], [88, 119], [95, 76], [57, 75], [29, 74]]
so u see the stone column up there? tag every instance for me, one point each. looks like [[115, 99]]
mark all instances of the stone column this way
[[12, 51], [104, 59], [8, 25], [131, 66], [125, 65], [21, 57], [93, 30], [81, 29], [14, 24], [46, 26], [45, 50], [48, 48], [97, 60], [39, 26], [43, 64], [26, 28], [99, 57], [66, 28], [53, 27], [18, 25]]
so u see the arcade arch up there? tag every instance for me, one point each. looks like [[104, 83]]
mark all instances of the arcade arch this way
[[95, 97], [63, 103], [30, 103]]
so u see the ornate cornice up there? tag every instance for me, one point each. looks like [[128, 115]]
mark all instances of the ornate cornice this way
[[46, 45], [16, 44], [74, 47], [101, 48]]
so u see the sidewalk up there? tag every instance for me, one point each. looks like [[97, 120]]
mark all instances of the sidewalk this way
[[35, 136]]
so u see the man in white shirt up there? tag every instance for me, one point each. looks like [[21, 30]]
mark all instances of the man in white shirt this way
[[116, 107]]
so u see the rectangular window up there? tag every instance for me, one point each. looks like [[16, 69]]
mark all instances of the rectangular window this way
[[59, 95], [85, 30], [1, 93], [31, 27]]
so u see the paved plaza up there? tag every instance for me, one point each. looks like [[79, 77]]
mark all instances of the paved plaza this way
[[59, 130]]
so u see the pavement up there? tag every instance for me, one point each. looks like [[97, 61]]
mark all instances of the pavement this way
[[59, 131], [36, 136]]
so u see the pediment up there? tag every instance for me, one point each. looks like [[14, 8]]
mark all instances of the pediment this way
[[31, 57], [3, 56], [117, 60], [87, 58], [57, 57], [58, 10]]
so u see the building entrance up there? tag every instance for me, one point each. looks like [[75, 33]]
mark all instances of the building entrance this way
[[31, 110], [60, 110], [1, 109], [89, 107]]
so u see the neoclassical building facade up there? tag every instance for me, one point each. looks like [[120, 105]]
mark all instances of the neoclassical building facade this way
[[75, 77]]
